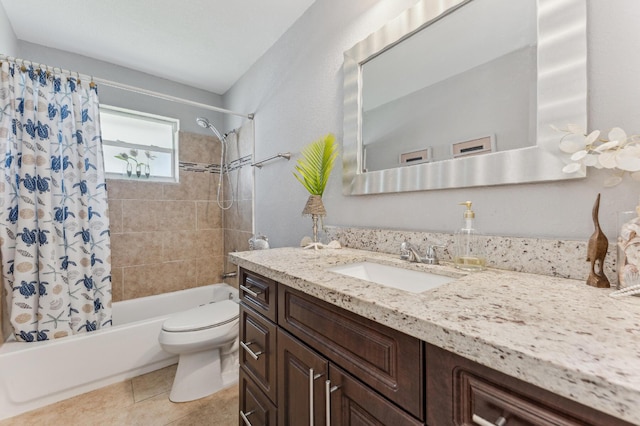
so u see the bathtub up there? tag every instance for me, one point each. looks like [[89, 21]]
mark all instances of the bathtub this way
[[36, 374]]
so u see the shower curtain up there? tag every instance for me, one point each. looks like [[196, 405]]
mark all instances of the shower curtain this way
[[54, 229]]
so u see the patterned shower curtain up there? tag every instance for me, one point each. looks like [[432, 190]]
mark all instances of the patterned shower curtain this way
[[54, 229]]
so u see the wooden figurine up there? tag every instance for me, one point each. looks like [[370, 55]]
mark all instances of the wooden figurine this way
[[596, 252]]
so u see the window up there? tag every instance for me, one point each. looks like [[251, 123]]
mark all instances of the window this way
[[139, 146]]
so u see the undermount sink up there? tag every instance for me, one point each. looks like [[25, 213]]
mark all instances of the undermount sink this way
[[391, 276]]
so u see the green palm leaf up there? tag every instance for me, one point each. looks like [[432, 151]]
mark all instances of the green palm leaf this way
[[315, 164]]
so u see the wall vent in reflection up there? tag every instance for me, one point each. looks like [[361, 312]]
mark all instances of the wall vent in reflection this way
[[474, 146], [415, 157]]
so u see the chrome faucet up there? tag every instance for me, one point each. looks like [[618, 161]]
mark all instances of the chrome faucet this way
[[410, 252]]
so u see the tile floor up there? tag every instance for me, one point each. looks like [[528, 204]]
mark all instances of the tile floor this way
[[141, 401]]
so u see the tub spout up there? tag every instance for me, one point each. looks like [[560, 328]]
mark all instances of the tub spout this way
[[229, 275]]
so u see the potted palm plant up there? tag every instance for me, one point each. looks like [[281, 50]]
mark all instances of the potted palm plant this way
[[312, 171]]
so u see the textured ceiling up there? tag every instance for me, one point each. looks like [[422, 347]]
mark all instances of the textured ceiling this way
[[208, 44]]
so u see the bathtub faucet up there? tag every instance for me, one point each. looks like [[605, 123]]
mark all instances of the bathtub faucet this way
[[229, 275]]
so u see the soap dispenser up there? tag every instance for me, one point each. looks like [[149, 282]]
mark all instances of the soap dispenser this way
[[469, 249]]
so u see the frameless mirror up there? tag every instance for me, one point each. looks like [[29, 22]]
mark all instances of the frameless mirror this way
[[461, 93]]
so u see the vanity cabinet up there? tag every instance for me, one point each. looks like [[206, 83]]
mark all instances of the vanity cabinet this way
[[462, 392], [304, 361]]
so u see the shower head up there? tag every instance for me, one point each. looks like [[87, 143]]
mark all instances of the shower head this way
[[204, 122]]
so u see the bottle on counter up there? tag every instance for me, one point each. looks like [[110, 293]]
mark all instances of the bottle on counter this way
[[469, 253]]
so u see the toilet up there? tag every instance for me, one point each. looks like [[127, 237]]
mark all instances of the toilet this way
[[206, 340]]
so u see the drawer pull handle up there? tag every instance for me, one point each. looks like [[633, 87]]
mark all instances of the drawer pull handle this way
[[328, 390], [254, 355], [244, 417], [250, 292], [482, 422], [312, 377]]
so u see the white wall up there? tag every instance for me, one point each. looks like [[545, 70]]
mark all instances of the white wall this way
[[296, 92], [8, 41]]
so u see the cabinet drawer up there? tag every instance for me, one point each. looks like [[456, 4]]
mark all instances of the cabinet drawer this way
[[255, 407], [385, 359], [258, 350], [462, 392], [259, 293], [484, 403]]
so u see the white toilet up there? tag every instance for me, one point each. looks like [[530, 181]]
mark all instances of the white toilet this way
[[206, 338]]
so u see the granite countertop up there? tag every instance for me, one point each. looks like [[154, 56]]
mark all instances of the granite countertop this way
[[559, 334]]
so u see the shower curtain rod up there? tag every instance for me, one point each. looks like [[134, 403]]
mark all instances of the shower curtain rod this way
[[130, 88]]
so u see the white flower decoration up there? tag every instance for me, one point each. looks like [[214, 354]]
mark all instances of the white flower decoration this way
[[619, 153]]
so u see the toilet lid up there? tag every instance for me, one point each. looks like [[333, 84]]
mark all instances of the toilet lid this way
[[202, 317]]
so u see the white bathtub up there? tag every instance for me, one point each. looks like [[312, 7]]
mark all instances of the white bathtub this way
[[36, 374]]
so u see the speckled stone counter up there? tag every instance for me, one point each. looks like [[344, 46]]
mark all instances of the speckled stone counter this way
[[555, 333]]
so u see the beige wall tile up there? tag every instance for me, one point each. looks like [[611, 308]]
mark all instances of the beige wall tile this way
[[239, 216], [211, 243], [115, 215], [167, 237], [151, 279], [244, 189], [176, 215], [136, 248], [133, 190], [209, 270], [208, 215], [181, 245], [197, 148], [140, 215], [117, 285], [192, 186], [236, 240], [230, 267]]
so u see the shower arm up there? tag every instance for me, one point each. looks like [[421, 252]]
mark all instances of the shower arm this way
[[285, 155]]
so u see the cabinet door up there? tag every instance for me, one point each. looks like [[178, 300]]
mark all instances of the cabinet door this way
[[258, 350], [301, 377], [386, 360], [354, 404], [462, 392], [255, 407]]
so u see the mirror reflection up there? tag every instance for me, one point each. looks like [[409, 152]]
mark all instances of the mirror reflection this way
[[462, 86], [498, 73]]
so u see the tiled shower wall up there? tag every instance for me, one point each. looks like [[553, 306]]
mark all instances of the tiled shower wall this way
[[238, 220], [167, 237]]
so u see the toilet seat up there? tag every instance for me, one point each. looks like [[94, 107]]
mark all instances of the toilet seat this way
[[203, 317]]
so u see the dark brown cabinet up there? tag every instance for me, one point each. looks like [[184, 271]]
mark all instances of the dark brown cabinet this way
[[258, 350], [302, 374], [462, 392], [320, 362], [354, 404], [255, 408], [308, 362], [386, 360], [314, 389]]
